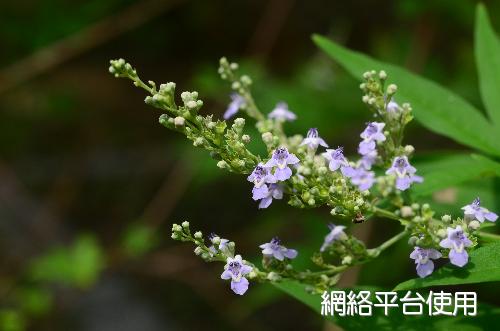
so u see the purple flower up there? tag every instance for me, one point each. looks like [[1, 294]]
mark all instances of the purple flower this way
[[474, 210], [235, 270], [457, 241], [266, 194], [281, 113], [405, 173], [281, 159], [422, 257], [336, 233], [260, 176], [313, 140], [237, 102], [366, 147], [222, 244], [373, 132], [368, 159], [337, 160], [392, 107], [362, 178], [276, 250]]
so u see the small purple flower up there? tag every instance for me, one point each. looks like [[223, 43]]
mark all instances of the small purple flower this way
[[366, 147], [235, 270], [456, 241], [368, 159], [222, 244], [422, 257], [260, 175], [313, 140], [281, 113], [336, 233], [336, 160], [362, 178], [474, 210], [276, 250], [281, 159], [405, 173], [237, 102], [373, 132], [392, 107], [267, 193]]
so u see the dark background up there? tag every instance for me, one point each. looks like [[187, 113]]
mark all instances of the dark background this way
[[81, 155]]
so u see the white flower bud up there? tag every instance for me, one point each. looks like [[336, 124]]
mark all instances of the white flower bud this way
[[392, 88], [222, 164], [198, 235], [185, 224], [239, 121], [267, 138], [179, 121], [216, 240], [446, 218], [365, 98], [191, 104], [347, 260], [245, 138], [415, 206], [406, 211], [409, 149], [198, 250], [382, 74], [198, 142], [273, 276], [441, 233], [474, 225]]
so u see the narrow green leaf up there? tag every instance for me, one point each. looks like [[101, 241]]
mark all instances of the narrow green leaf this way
[[437, 108], [487, 51], [483, 266], [447, 171]]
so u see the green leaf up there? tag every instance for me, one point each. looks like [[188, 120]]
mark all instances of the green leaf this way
[[437, 108], [483, 266], [487, 51], [447, 171]]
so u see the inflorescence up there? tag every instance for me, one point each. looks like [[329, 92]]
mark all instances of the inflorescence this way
[[353, 190]]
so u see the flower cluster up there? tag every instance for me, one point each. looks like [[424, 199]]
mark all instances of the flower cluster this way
[[355, 189]]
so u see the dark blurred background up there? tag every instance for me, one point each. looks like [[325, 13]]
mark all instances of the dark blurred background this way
[[90, 183]]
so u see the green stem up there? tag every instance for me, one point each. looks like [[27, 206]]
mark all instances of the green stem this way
[[374, 252], [390, 215]]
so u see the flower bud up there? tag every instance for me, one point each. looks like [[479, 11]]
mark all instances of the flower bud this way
[[474, 225], [406, 211], [273, 276], [382, 75], [347, 260], [198, 235], [216, 240], [198, 250], [391, 89], [409, 149], [446, 218], [185, 224], [179, 121], [267, 138], [441, 233], [245, 138], [412, 241], [192, 104], [222, 164]]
